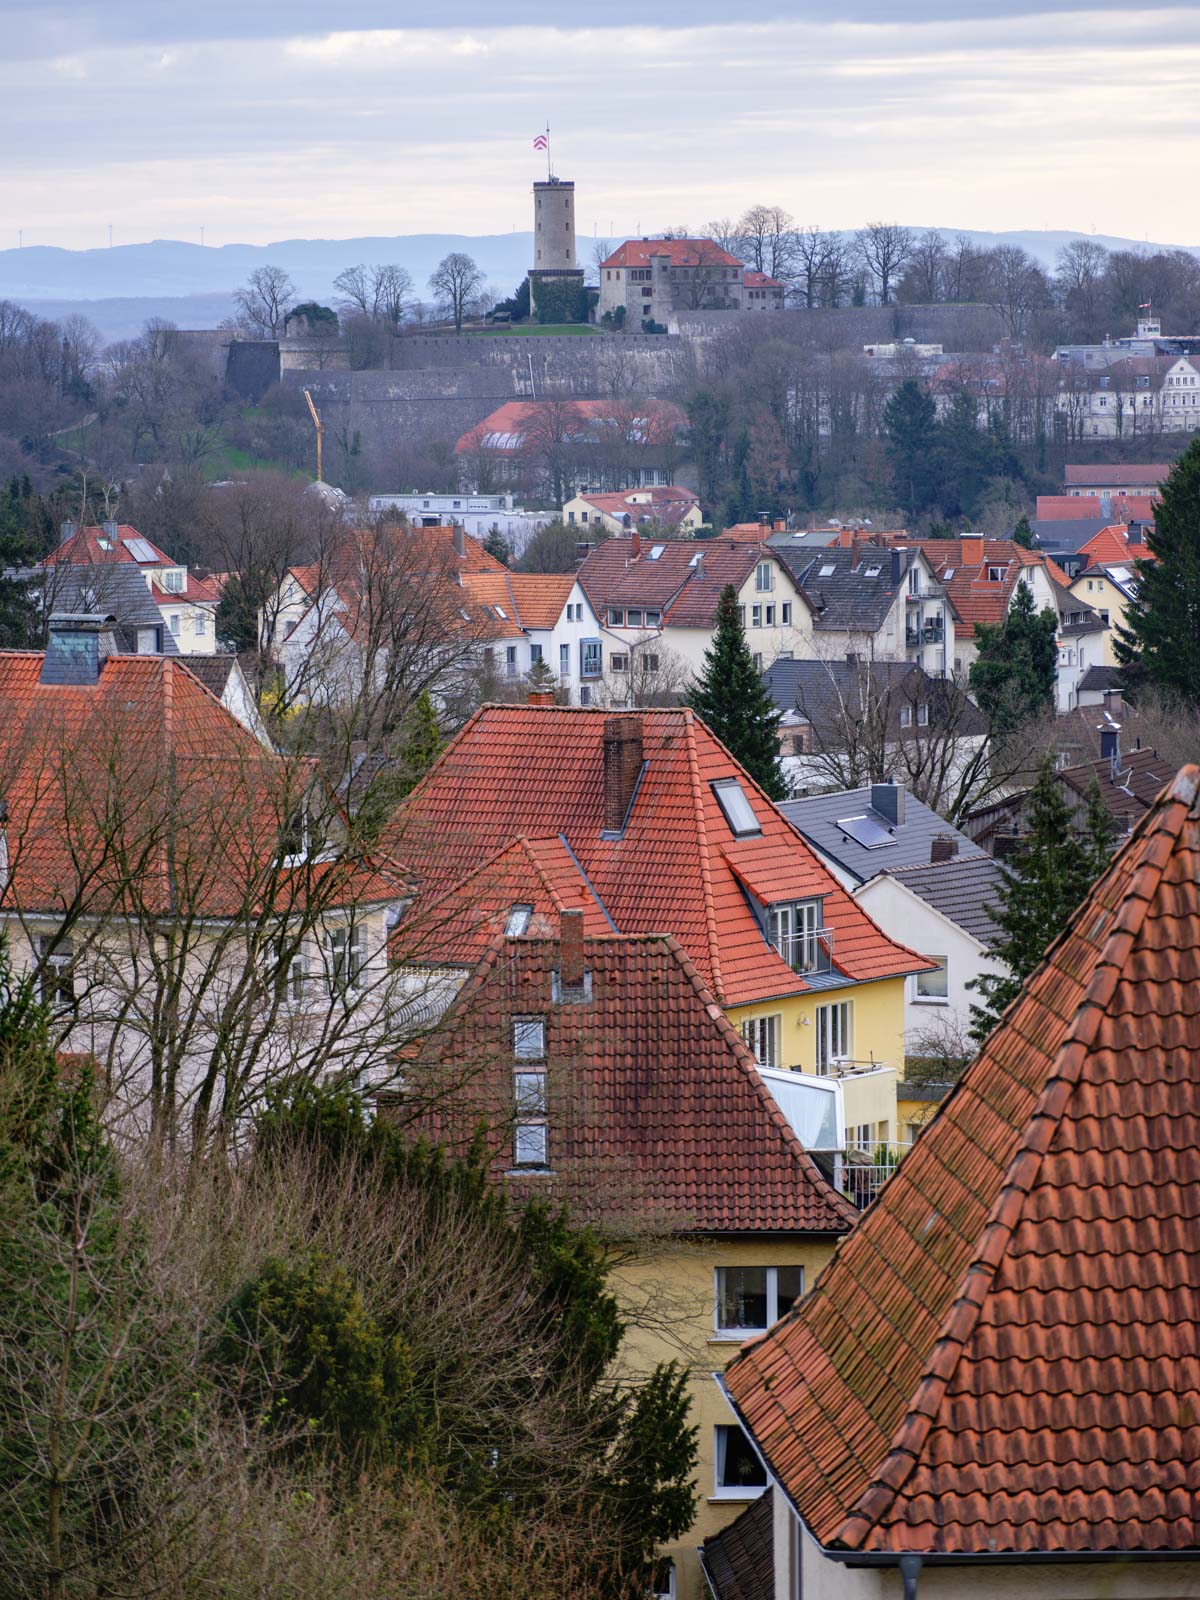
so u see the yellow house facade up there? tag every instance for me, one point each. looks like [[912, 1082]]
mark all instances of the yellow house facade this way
[[1107, 590]]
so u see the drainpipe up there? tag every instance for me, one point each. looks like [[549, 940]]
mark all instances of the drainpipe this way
[[910, 1572]]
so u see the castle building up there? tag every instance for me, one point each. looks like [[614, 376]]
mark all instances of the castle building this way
[[553, 238]]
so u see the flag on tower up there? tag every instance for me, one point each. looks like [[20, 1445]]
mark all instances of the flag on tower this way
[[1146, 306], [540, 142]]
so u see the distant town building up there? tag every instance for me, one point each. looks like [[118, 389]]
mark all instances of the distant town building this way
[[650, 279], [667, 506], [478, 514], [553, 237]]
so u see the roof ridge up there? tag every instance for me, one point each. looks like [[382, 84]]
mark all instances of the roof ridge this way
[[995, 1236], [706, 888]]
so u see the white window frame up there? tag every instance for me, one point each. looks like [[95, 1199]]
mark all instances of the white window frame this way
[[173, 623], [761, 1036], [531, 1128], [347, 952], [56, 977], [835, 1035], [736, 1333], [529, 1038], [796, 923], [172, 582], [297, 979], [564, 660], [785, 611], [618, 661], [764, 577], [738, 1491]]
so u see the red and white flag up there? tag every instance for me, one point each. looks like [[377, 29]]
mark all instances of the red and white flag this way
[[1146, 306], [540, 142]]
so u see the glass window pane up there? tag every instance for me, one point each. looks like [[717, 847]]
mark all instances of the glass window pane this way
[[789, 1288], [529, 1038], [742, 1297], [933, 984], [529, 1089], [530, 1145], [737, 1465]]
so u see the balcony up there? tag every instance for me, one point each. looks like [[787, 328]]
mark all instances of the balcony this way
[[924, 633], [808, 952], [862, 1172]]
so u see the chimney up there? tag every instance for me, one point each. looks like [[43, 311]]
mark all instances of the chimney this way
[[570, 949], [780, 525], [541, 697], [622, 768], [635, 544], [1113, 703], [112, 529], [67, 530], [77, 646], [1110, 744], [972, 548], [888, 800], [944, 847], [460, 540], [897, 566]]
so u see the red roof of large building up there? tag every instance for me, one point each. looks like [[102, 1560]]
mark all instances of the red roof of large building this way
[[520, 425], [656, 1111], [1117, 477], [760, 280], [683, 581], [679, 252], [665, 503], [1077, 507], [675, 867], [1004, 1355], [1112, 544]]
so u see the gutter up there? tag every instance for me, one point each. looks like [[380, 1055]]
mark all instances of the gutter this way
[[910, 1563]]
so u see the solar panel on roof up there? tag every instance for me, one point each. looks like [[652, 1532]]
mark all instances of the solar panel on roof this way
[[866, 832], [139, 549]]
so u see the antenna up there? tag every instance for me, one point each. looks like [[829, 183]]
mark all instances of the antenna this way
[[110, 236], [202, 236], [320, 427]]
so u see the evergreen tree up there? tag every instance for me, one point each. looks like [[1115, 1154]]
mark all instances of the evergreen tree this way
[[1052, 872], [422, 741], [238, 610], [1022, 533], [1159, 644], [496, 546], [911, 430], [26, 534], [1013, 677], [733, 701]]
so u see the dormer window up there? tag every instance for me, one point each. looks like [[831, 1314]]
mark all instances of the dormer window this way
[[995, 574], [172, 581], [517, 923], [735, 803], [795, 932]]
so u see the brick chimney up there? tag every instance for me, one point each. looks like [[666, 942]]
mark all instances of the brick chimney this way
[[460, 540], [570, 949], [972, 549], [635, 544], [944, 847], [541, 697], [622, 768]]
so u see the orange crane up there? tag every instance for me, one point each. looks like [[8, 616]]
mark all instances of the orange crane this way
[[320, 427]]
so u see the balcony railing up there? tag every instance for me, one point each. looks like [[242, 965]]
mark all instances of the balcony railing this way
[[862, 1173], [927, 633], [808, 952]]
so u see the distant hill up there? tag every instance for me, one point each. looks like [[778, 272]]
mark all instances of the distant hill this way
[[119, 288]]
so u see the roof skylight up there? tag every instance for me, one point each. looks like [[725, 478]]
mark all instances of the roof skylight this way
[[518, 921], [735, 803], [656, 552], [827, 571]]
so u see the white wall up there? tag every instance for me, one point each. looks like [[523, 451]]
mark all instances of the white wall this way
[[914, 922]]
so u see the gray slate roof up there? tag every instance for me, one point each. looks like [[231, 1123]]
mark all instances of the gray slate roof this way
[[118, 589], [817, 819], [213, 671], [828, 692], [847, 598], [962, 890], [1101, 678], [1066, 533]]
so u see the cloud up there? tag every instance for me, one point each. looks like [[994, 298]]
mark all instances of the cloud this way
[[1013, 116]]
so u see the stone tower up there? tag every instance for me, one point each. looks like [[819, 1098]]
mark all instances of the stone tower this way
[[553, 226], [553, 238]]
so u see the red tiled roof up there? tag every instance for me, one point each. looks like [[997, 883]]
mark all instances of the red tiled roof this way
[[540, 596], [679, 252], [92, 546], [1076, 507], [665, 503], [1111, 544], [537, 770], [656, 1109], [511, 425], [759, 280], [1003, 1355], [739, 1562], [1082, 477], [687, 595], [101, 780]]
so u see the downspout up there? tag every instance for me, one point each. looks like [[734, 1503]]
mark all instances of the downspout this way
[[910, 1572]]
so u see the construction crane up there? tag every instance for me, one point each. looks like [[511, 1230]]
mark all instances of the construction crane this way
[[320, 427]]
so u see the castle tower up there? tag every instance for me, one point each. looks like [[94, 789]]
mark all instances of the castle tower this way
[[554, 242], [554, 226]]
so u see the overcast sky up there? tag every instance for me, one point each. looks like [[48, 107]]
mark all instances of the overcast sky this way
[[259, 122]]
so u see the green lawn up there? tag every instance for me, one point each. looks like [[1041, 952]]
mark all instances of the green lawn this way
[[227, 462], [534, 330]]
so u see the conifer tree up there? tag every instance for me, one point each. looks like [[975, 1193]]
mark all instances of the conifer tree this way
[[1159, 644], [422, 742], [1023, 533], [732, 699], [1013, 676], [1052, 872], [911, 430], [497, 547]]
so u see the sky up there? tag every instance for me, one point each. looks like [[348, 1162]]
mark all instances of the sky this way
[[259, 122]]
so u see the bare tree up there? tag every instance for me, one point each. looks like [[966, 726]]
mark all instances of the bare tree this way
[[1019, 287], [263, 302], [1080, 267], [767, 237], [924, 275], [455, 281], [884, 249]]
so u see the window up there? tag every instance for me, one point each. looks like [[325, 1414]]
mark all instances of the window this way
[[529, 1038], [200, 625], [297, 978], [995, 574], [769, 616], [761, 1035], [173, 582], [793, 931], [510, 660], [347, 958], [529, 1130], [616, 619], [535, 653], [564, 660], [933, 985], [585, 696], [906, 716], [56, 981], [833, 1035], [589, 658], [740, 1475], [653, 618], [873, 572], [750, 1299], [741, 616], [914, 580], [649, 663], [826, 571], [173, 623], [518, 921], [764, 578], [735, 803], [618, 663], [633, 619], [663, 1587], [922, 716], [756, 616], [785, 613]]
